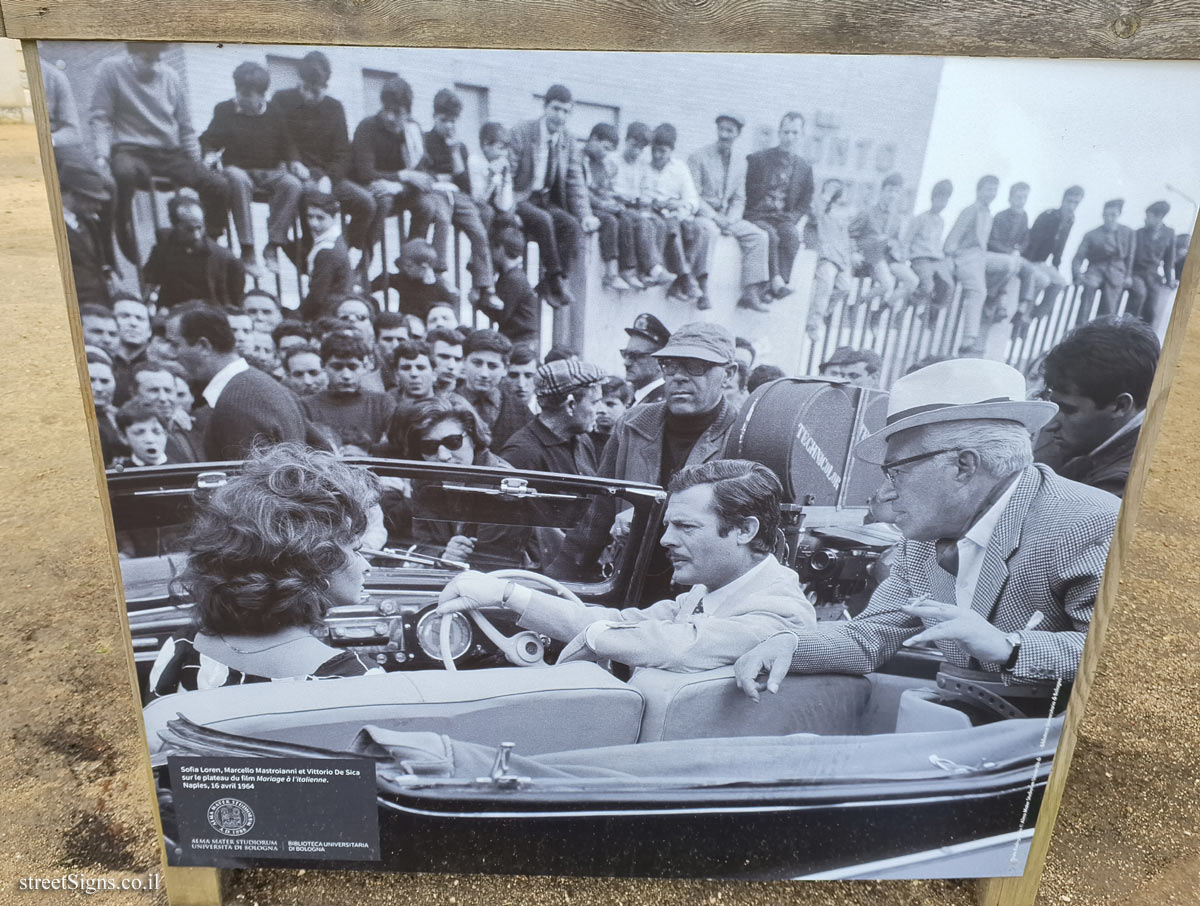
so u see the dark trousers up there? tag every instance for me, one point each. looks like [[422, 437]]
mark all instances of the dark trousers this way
[[1109, 283], [425, 209], [630, 238], [1143, 295], [133, 166], [558, 235], [459, 210], [783, 241]]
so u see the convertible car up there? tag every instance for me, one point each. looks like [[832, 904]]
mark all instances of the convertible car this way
[[488, 757]]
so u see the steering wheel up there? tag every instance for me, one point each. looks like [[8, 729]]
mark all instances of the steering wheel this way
[[525, 648]]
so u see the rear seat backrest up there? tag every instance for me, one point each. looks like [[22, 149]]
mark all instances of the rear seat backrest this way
[[572, 706]]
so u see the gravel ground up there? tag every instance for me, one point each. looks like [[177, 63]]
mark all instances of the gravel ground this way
[[76, 795]]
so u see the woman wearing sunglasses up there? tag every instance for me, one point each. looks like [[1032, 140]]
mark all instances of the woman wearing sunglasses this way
[[448, 430]]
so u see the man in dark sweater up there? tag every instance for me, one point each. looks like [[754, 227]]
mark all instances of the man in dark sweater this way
[[1046, 239], [344, 405], [557, 439], [482, 385], [1100, 377], [186, 264], [779, 191], [250, 143], [387, 151], [246, 407], [317, 124], [1010, 230], [1153, 264]]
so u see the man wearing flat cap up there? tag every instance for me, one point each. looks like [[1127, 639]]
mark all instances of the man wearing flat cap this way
[[1108, 253], [1001, 559], [557, 440], [646, 337], [653, 441], [85, 196], [1153, 264], [720, 178]]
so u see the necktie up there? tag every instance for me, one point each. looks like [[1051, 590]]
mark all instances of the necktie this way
[[550, 164]]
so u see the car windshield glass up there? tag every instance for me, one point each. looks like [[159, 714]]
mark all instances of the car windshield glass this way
[[434, 520]]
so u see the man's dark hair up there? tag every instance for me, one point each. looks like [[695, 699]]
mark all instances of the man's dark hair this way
[[177, 202], [558, 353], [664, 136], [558, 93], [605, 132], [314, 69], [792, 115], [984, 180], [261, 294], [396, 92], [618, 387], [740, 489], [138, 410], [763, 374], [1016, 186], [323, 201], [1073, 192], [325, 325], [344, 344], [447, 103], [92, 310], [638, 132], [743, 343], [1105, 358], [291, 328], [443, 335], [292, 351], [209, 323], [494, 133], [488, 341], [251, 76], [522, 354], [388, 320], [413, 349], [150, 367], [511, 242]]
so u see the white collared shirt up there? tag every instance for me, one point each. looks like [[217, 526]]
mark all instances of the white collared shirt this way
[[973, 545], [642, 393], [712, 600], [213, 391], [1132, 425], [673, 186]]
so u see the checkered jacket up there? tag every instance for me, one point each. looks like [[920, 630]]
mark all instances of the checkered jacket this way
[[1046, 555]]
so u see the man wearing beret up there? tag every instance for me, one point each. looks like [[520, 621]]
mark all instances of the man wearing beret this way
[[1153, 264], [647, 336], [720, 179], [557, 440], [1001, 559]]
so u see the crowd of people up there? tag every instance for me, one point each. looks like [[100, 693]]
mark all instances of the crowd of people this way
[[196, 367]]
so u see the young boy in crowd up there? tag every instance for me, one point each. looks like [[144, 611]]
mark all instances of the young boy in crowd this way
[[416, 280], [629, 174], [616, 396], [923, 244], [250, 144], [327, 261], [671, 194], [520, 319], [144, 433], [616, 229], [446, 160], [344, 405], [831, 280], [491, 178]]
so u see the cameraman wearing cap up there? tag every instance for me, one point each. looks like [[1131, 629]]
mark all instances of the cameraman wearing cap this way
[[557, 439], [1001, 558]]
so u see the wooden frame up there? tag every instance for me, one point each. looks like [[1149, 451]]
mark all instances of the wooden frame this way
[[1096, 28]]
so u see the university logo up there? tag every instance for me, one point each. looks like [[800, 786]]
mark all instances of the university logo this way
[[230, 817]]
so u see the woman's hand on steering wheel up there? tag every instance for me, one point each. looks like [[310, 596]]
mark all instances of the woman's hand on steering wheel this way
[[471, 590]]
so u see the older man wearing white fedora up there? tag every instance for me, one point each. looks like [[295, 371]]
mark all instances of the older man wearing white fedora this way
[[1001, 559]]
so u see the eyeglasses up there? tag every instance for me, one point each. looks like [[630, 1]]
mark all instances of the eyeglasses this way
[[451, 442], [628, 356], [691, 367], [889, 468]]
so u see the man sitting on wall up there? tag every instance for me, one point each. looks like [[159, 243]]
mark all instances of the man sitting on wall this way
[[721, 522], [1099, 375], [1001, 559]]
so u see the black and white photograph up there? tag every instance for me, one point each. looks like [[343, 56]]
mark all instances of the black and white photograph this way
[[613, 463]]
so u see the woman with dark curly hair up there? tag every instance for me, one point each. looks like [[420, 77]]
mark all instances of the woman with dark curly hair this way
[[270, 553]]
